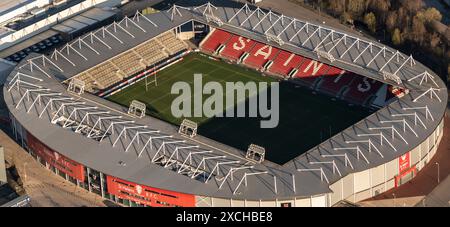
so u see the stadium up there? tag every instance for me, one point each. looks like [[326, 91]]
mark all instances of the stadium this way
[[357, 118]]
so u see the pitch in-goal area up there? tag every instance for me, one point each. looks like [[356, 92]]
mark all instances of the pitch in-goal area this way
[[305, 119]]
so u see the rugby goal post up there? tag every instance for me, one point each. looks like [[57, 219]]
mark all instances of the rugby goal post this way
[[151, 81]]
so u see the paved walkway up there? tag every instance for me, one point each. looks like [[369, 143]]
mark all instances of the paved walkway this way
[[439, 197]]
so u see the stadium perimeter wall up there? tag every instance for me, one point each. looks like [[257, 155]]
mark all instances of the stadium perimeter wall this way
[[353, 187]]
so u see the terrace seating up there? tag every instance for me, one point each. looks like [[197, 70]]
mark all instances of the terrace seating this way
[[88, 81], [172, 43], [311, 68], [260, 54], [214, 40], [105, 75], [284, 62], [361, 89], [335, 80], [236, 46], [129, 63], [151, 51], [310, 72]]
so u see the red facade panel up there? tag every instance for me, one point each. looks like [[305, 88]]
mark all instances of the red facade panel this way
[[403, 163], [147, 195], [55, 159]]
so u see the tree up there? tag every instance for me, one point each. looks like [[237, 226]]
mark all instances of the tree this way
[[403, 18], [431, 14], [346, 18], [418, 30], [397, 37], [448, 73], [371, 22], [434, 40], [336, 7], [412, 6], [391, 21], [356, 7], [381, 9]]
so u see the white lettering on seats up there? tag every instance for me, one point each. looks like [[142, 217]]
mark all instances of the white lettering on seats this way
[[286, 63], [316, 67], [262, 51], [242, 43], [339, 77], [366, 86]]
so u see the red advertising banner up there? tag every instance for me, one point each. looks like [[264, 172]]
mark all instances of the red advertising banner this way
[[405, 176], [147, 195], [403, 163], [55, 159]]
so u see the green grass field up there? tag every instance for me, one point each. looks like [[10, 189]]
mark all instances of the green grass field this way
[[305, 118]]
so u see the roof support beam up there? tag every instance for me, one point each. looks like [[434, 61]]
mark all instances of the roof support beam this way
[[358, 152], [184, 165], [111, 126], [347, 161], [310, 36], [139, 15], [247, 9], [322, 173], [335, 45], [50, 103], [286, 27], [298, 32], [362, 52], [86, 117], [217, 168], [369, 144], [99, 122], [249, 16], [323, 40], [390, 59], [382, 50], [136, 136]]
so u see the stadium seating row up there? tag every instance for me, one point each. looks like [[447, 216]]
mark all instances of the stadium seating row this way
[[151, 52], [214, 40], [316, 75], [105, 75], [171, 43], [131, 62], [88, 80]]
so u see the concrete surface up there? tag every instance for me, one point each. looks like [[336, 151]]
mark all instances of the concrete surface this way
[[45, 188]]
